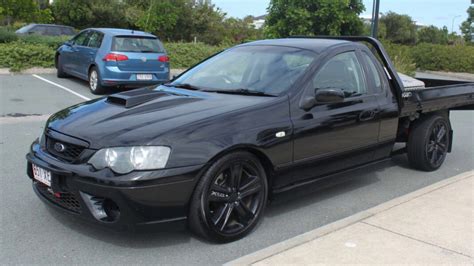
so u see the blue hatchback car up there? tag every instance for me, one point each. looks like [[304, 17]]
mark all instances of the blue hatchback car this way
[[113, 57]]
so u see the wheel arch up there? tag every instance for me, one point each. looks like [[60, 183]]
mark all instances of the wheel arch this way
[[443, 113], [90, 67], [267, 164]]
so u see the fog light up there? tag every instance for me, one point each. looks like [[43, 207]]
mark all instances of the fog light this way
[[111, 209], [103, 209]]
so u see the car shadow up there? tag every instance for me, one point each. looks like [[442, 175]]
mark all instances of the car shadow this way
[[326, 188], [85, 84], [280, 204], [150, 238]]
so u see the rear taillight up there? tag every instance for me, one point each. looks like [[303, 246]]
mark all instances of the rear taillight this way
[[163, 58], [115, 57]]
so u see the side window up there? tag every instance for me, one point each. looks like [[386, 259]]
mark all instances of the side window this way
[[67, 31], [53, 31], [39, 30], [344, 72], [373, 73], [81, 39], [95, 39]]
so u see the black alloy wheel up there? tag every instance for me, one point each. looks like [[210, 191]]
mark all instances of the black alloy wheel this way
[[437, 145], [428, 142], [232, 198]]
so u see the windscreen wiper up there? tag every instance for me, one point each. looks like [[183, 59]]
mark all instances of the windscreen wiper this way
[[243, 91], [183, 86]]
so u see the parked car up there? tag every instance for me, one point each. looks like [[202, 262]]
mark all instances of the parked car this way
[[257, 119], [46, 29], [113, 57]]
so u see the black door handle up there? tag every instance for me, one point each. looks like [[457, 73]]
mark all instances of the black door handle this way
[[367, 115]]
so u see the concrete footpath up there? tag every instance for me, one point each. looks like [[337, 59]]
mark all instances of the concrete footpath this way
[[434, 225]]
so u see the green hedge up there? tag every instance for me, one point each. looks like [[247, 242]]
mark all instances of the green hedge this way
[[184, 55], [437, 57], [51, 41], [455, 58], [19, 55], [7, 36], [401, 58], [38, 51]]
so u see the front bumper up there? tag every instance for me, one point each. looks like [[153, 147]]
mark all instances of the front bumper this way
[[153, 201]]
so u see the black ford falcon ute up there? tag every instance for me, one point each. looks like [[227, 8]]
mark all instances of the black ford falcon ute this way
[[208, 148]]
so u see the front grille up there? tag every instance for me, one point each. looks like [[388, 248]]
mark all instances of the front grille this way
[[70, 153], [66, 200]]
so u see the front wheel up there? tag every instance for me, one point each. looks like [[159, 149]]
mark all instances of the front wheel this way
[[59, 68], [230, 198], [428, 143], [94, 82]]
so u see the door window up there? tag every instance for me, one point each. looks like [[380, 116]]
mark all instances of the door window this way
[[67, 31], [373, 73], [39, 30], [95, 39], [53, 31], [82, 38], [344, 72]]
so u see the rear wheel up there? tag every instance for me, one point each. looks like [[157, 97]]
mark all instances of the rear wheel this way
[[428, 143], [59, 67], [94, 82], [230, 198]]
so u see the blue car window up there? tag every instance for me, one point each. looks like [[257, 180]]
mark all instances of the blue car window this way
[[138, 44], [95, 39], [82, 39]]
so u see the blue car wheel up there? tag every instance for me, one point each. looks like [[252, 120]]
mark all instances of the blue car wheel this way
[[59, 67], [94, 82]]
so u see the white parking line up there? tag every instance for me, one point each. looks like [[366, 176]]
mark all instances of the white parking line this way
[[15, 120], [61, 87]]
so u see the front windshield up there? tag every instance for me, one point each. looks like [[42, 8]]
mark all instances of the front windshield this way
[[25, 29], [266, 69]]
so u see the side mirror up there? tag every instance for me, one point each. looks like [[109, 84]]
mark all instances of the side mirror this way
[[329, 95], [68, 43]]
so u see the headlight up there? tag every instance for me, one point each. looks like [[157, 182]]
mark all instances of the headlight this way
[[123, 160]]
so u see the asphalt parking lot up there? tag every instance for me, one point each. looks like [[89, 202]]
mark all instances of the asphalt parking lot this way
[[32, 233]]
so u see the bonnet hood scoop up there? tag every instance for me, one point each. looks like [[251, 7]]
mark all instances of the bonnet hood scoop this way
[[136, 97]]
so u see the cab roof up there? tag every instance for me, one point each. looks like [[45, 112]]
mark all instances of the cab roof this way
[[316, 45]]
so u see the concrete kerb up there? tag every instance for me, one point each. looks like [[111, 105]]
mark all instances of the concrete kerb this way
[[335, 226]]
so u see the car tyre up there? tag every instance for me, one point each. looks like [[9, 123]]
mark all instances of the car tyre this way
[[95, 82], [229, 199], [59, 67], [428, 143]]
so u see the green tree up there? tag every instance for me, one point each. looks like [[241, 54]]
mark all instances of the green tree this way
[[467, 27], [399, 28], [23, 10], [433, 34], [89, 13], [160, 17], [314, 17]]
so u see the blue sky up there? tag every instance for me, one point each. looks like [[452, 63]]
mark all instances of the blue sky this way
[[429, 12]]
